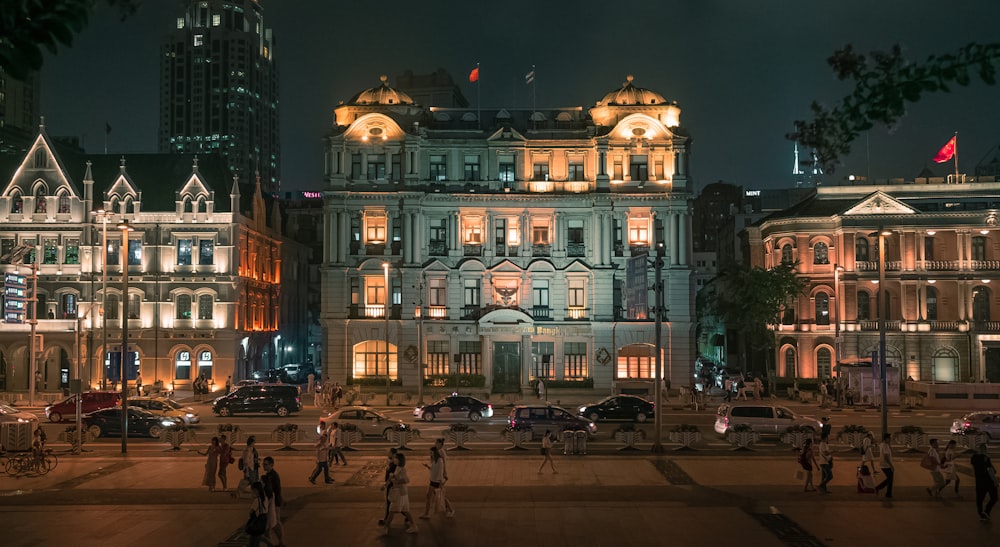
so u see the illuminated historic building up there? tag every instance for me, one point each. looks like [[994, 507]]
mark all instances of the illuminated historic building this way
[[506, 245], [942, 254], [205, 267]]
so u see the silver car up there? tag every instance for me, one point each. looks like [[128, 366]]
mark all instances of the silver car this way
[[9, 414], [369, 421], [986, 421]]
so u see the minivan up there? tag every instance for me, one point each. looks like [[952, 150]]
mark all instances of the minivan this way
[[281, 399], [91, 401], [763, 418], [541, 417]]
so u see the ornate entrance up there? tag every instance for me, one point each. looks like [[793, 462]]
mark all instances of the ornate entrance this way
[[506, 367]]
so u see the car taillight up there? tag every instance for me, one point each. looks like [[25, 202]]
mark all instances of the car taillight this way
[[968, 424], [489, 407]]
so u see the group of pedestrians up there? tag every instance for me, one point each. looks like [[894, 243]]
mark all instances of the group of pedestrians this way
[[265, 496], [220, 455], [329, 451], [328, 394], [396, 486], [943, 473]]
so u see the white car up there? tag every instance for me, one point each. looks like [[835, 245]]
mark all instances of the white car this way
[[369, 421], [984, 420]]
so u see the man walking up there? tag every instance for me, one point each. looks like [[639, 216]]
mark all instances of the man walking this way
[[825, 463], [272, 487], [885, 462], [986, 482], [337, 445], [322, 455], [934, 458]]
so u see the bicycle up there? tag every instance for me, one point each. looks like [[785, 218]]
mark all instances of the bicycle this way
[[31, 464]]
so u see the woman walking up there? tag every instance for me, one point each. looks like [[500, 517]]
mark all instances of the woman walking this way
[[211, 464], [225, 458], [249, 464], [825, 463], [807, 459], [948, 468], [435, 494], [399, 496], [258, 506], [547, 442]]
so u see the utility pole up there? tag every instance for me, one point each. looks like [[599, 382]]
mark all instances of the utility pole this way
[[658, 387], [123, 256]]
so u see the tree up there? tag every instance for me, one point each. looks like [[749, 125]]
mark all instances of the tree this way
[[750, 301], [884, 82], [28, 25]]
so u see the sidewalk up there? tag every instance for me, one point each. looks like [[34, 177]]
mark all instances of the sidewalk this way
[[500, 499]]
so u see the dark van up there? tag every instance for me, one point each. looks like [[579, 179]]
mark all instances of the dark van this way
[[92, 401], [278, 398]]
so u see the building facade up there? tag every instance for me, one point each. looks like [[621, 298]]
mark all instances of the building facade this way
[[219, 88], [205, 267], [496, 247], [942, 253]]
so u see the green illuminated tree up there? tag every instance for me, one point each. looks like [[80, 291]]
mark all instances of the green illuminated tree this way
[[26, 26], [884, 82]]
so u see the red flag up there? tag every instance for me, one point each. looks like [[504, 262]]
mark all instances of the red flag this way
[[474, 75], [947, 152]]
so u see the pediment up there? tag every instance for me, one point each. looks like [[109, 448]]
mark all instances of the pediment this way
[[505, 317], [374, 127], [880, 203], [506, 267], [641, 126], [41, 163], [578, 266], [506, 134], [435, 266]]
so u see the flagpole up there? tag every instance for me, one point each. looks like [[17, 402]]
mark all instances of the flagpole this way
[[479, 98], [533, 84], [956, 156]]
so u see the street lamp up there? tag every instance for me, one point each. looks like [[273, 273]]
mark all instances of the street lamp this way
[[882, 232], [388, 296], [658, 386], [123, 256], [837, 342], [104, 216]]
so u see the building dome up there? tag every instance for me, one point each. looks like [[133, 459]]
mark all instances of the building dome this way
[[382, 94], [630, 95]]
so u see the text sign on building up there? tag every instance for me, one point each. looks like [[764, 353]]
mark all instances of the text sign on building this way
[[15, 291]]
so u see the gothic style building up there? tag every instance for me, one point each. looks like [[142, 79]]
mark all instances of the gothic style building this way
[[495, 247], [942, 253], [205, 274]]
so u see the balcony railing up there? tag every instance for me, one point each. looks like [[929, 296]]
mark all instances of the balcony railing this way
[[872, 266], [951, 326], [541, 249], [542, 313], [873, 325], [374, 312], [438, 248], [986, 264], [940, 265], [576, 314], [987, 326], [576, 249], [374, 248], [637, 249], [503, 249], [473, 249], [437, 312], [471, 312]]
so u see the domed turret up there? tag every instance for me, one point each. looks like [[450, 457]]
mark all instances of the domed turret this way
[[381, 95], [630, 95]]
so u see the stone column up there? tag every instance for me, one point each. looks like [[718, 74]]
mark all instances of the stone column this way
[[345, 237], [407, 239]]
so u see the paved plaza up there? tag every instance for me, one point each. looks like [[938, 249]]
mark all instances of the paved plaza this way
[[706, 498]]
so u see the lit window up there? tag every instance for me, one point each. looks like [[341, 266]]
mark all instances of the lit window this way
[[438, 295], [199, 39], [540, 234], [184, 252], [473, 230], [575, 360], [182, 365], [638, 231], [205, 306], [180, 22], [577, 294], [205, 364], [183, 307], [375, 229], [216, 19]]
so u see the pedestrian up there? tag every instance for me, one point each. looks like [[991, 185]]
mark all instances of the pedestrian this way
[[758, 388], [547, 442], [948, 468], [868, 452], [229, 384], [318, 394], [826, 428], [386, 484], [338, 394], [250, 465], [322, 455], [823, 394], [825, 463], [728, 386], [933, 464], [272, 487], [885, 462], [138, 384], [541, 389], [211, 464], [436, 501], [337, 444], [986, 482], [399, 496], [225, 458], [258, 506], [807, 459]]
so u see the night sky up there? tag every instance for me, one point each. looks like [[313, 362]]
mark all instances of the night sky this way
[[741, 71]]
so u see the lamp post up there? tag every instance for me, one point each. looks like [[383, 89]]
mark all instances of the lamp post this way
[[420, 340], [123, 256], [837, 342], [882, 232], [658, 386], [388, 296], [103, 215], [78, 440]]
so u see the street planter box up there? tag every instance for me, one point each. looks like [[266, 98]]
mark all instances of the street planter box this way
[[629, 437], [742, 440], [685, 438], [970, 441], [176, 437], [285, 437], [400, 437], [912, 441], [853, 438], [517, 437], [460, 437], [232, 432], [349, 437], [796, 438]]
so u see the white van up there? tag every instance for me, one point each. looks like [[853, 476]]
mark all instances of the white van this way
[[764, 418]]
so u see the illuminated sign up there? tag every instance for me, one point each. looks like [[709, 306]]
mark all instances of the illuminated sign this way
[[752, 193], [312, 195]]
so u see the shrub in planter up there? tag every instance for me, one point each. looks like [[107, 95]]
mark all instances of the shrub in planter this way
[[911, 436], [852, 434], [460, 434], [628, 434], [686, 435], [232, 432], [401, 434], [742, 436]]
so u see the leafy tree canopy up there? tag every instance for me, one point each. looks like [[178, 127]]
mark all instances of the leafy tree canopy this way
[[884, 82], [26, 26]]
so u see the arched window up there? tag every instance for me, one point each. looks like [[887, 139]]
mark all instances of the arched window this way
[[64, 203], [205, 363], [17, 204], [864, 306], [790, 363], [111, 304], [369, 359], [205, 306], [188, 207], [183, 306], [861, 250], [824, 363], [945, 365], [41, 203], [980, 304], [821, 254], [202, 206], [932, 301], [822, 309], [786, 254], [182, 365], [979, 248]]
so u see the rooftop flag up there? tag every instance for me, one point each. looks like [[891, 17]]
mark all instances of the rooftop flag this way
[[947, 151], [474, 75]]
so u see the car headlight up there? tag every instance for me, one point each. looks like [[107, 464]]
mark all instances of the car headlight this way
[[23, 420], [189, 415], [167, 423], [582, 409]]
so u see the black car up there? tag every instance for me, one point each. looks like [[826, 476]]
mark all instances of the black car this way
[[619, 407], [277, 398], [108, 422], [455, 407], [271, 376]]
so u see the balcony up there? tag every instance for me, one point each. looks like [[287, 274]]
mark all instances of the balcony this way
[[397, 247], [437, 248], [541, 313], [986, 326], [939, 265], [872, 326], [986, 264], [541, 249], [576, 314], [472, 249], [437, 312], [576, 249], [374, 311], [619, 250], [872, 266], [374, 249], [636, 249], [470, 312], [503, 249]]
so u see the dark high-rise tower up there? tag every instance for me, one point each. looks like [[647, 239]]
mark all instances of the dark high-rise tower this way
[[219, 88]]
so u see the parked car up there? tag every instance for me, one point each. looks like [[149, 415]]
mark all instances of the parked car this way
[[90, 401], [270, 376], [763, 418], [370, 422], [9, 414], [166, 406], [280, 399], [619, 407], [108, 422], [299, 374], [455, 407], [542, 417], [986, 421]]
